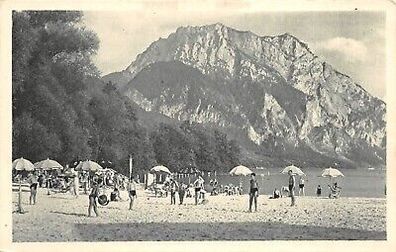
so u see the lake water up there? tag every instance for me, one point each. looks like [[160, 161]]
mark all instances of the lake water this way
[[356, 183]]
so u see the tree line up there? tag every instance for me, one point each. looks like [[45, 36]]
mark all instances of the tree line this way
[[62, 109]]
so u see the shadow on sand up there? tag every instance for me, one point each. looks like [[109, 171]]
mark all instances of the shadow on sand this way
[[217, 231], [72, 214]]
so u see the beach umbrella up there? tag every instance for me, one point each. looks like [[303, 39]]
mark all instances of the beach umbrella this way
[[160, 168], [331, 173], [22, 164], [240, 170], [295, 170], [47, 164], [88, 165]]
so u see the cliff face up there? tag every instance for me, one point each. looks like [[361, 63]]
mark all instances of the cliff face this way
[[272, 91]]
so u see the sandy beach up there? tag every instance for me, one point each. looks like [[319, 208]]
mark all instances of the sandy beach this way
[[62, 217]]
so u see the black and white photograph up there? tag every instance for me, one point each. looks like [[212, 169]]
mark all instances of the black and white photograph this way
[[167, 122]]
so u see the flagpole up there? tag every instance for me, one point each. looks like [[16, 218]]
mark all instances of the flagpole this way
[[130, 166]]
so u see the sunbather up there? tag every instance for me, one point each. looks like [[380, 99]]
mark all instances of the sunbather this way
[[335, 191]]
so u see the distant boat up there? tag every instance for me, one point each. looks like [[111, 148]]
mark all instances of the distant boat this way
[[371, 168]]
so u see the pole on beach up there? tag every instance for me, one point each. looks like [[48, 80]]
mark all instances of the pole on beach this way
[[130, 166], [20, 209]]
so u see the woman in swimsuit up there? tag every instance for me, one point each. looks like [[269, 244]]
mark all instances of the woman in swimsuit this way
[[131, 192], [92, 199]]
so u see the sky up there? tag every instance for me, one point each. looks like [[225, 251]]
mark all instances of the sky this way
[[353, 42]]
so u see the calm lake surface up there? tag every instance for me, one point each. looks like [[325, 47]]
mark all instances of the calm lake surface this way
[[356, 183]]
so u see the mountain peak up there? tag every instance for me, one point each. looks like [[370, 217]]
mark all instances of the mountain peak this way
[[291, 99]]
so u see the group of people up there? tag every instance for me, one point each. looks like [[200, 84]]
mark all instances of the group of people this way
[[96, 195], [183, 190], [197, 188]]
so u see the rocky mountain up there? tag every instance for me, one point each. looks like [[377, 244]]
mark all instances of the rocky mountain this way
[[271, 93]]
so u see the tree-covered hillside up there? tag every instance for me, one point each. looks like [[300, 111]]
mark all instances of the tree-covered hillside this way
[[63, 110]]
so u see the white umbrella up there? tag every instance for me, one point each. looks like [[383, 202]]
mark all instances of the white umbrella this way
[[240, 170], [22, 164], [48, 164], [88, 166], [160, 168], [295, 170], [332, 173]]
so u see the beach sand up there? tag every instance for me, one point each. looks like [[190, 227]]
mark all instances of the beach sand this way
[[62, 217]]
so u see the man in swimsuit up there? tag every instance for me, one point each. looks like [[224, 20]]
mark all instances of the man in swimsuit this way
[[131, 192], [253, 194], [173, 188], [301, 186], [292, 184], [182, 191], [198, 185], [33, 188]]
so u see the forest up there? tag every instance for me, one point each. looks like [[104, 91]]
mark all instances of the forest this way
[[63, 110]]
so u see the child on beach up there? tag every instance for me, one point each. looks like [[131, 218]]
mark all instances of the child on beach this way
[[253, 192], [131, 192], [292, 184], [276, 194], [190, 191], [92, 199], [318, 191], [115, 195]]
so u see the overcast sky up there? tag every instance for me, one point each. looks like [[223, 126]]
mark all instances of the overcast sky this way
[[353, 42]]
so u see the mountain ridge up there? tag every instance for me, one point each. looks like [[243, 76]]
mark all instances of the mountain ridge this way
[[295, 99]]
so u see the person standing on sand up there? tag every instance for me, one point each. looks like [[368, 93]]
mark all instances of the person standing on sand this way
[[173, 188], [182, 191], [75, 183], [92, 199], [33, 181], [253, 193], [292, 185], [198, 185], [301, 184], [131, 192], [85, 181], [318, 191]]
